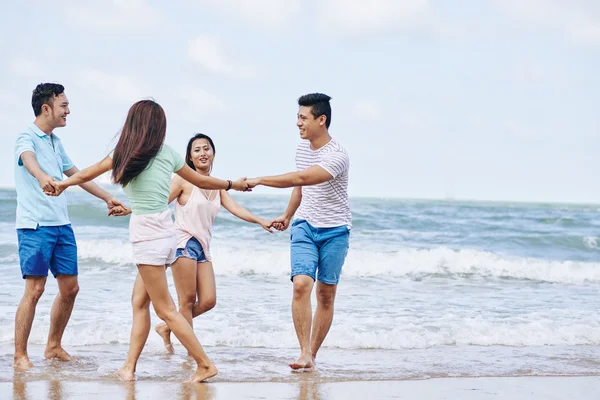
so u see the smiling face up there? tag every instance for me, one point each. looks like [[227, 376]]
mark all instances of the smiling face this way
[[202, 155], [56, 112], [308, 125]]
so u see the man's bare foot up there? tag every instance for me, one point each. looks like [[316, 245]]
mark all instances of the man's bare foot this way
[[304, 362], [165, 333], [57, 352], [22, 363], [204, 373], [126, 373]]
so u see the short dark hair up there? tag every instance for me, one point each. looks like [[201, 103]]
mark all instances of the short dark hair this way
[[319, 105], [43, 94]]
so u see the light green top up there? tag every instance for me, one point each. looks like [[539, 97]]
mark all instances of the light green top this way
[[148, 192]]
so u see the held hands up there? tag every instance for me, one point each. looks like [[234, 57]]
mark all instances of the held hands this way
[[281, 223], [119, 211], [240, 185], [51, 186], [253, 182], [116, 208], [267, 225]]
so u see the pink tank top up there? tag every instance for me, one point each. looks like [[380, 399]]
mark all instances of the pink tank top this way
[[196, 218]]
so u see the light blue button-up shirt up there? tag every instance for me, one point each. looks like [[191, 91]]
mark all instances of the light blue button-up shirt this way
[[33, 206]]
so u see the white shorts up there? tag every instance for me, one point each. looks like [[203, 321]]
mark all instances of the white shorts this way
[[159, 252]]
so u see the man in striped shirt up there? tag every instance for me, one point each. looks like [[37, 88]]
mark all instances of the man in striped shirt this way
[[321, 222]]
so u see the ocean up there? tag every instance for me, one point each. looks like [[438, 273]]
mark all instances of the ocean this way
[[429, 289]]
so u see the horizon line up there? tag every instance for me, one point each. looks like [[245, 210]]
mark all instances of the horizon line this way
[[441, 199]]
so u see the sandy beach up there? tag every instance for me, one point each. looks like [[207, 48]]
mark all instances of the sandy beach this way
[[547, 388]]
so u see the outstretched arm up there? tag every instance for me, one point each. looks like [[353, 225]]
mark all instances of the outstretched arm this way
[[90, 186], [233, 207], [310, 176], [208, 182], [115, 206], [77, 177]]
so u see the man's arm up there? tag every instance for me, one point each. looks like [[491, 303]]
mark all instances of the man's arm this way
[[281, 223], [31, 165], [310, 176]]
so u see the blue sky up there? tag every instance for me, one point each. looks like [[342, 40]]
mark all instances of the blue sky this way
[[489, 100]]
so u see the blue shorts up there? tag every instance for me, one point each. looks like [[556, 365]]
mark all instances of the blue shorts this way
[[318, 252], [47, 248], [193, 250]]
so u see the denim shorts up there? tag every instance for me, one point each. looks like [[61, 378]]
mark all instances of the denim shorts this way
[[193, 250], [318, 252], [47, 248]]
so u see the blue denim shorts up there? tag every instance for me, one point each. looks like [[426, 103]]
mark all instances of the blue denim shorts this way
[[318, 252], [193, 249], [47, 248]]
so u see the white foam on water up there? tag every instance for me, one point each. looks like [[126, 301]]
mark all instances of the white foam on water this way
[[402, 263], [408, 335], [591, 242]]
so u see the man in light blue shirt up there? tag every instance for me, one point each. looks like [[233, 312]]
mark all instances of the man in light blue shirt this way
[[46, 239]]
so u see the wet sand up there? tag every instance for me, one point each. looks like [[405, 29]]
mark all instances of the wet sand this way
[[547, 388]]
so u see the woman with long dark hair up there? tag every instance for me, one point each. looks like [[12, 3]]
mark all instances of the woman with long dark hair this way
[[142, 164], [195, 212]]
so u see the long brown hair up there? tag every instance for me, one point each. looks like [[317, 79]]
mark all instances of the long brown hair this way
[[142, 136]]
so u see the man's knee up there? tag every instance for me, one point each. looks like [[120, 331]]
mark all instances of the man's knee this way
[[34, 292], [70, 292], [326, 295], [302, 286]]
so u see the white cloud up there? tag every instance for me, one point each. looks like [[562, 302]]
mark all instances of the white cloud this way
[[113, 87], [264, 14], [200, 102], [368, 110], [120, 15], [579, 19], [348, 17], [207, 51], [25, 68]]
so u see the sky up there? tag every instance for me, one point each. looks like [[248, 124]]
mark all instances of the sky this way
[[470, 99]]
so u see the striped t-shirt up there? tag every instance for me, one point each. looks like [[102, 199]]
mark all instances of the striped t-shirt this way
[[325, 205]]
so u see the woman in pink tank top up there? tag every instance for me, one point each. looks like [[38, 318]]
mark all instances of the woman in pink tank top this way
[[195, 212]]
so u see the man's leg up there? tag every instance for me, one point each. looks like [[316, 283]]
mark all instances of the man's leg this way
[[302, 316], [323, 316], [332, 254], [64, 267], [304, 256], [62, 307], [34, 287]]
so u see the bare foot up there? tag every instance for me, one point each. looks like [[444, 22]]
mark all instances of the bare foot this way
[[165, 333], [126, 373], [57, 352], [22, 363], [204, 373], [304, 362]]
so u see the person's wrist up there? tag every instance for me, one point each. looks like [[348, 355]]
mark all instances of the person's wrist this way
[[229, 184]]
